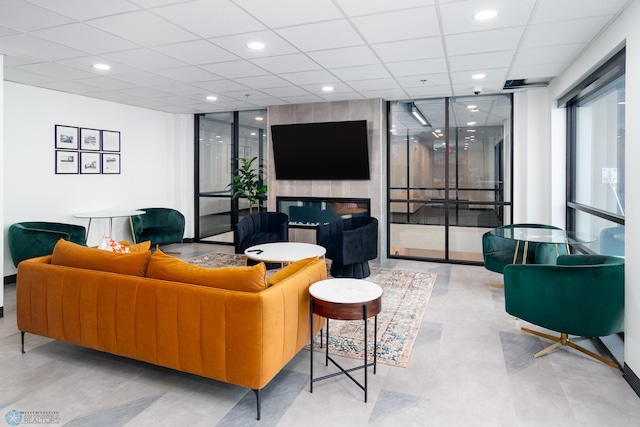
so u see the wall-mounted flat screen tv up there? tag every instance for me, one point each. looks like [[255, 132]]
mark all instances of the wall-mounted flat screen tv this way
[[329, 150]]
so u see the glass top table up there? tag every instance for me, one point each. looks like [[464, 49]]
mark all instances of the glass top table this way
[[542, 235]]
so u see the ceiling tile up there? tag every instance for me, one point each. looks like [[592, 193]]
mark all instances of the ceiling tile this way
[[286, 91], [144, 78], [426, 80], [187, 74], [493, 74], [82, 10], [576, 31], [180, 89], [196, 52], [322, 35], [210, 18], [499, 40], [480, 61], [374, 84], [27, 45], [25, 77], [341, 96], [416, 23], [242, 94], [457, 17], [309, 77], [419, 67], [57, 71], [111, 96], [145, 92], [363, 72], [22, 16], [106, 83], [538, 71], [145, 59], [85, 63], [235, 69], [263, 82], [559, 53], [396, 93], [554, 10], [355, 8], [345, 57], [298, 12], [4, 31], [286, 63], [143, 28], [237, 44], [66, 86], [220, 86], [409, 50], [83, 37]]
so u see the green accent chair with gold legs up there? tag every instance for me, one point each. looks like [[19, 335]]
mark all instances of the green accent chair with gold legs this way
[[37, 238], [583, 295]]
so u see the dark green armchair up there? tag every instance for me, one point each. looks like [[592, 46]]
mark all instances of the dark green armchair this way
[[37, 238], [582, 295], [161, 226], [497, 252]]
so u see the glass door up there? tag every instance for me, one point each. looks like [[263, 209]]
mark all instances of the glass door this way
[[221, 139], [449, 174]]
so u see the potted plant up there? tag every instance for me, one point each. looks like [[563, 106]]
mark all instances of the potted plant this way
[[247, 183]]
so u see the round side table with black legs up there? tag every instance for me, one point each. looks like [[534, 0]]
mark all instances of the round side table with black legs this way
[[346, 299]]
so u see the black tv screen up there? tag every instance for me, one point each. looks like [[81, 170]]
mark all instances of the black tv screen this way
[[329, 150]]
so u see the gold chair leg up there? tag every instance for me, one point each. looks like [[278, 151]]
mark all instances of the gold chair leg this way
[[563, 339]]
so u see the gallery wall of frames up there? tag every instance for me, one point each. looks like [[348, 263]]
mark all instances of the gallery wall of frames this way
[[86, 151]]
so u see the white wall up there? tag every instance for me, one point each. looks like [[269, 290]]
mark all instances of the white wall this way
[[624, 30], [2, 239], [156, 162]]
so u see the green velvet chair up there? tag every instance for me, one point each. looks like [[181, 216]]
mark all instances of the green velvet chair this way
[[497, 252], [583, 295], [161, 226], [37, 238]]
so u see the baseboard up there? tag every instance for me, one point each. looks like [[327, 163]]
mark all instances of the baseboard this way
[[1, 312], [10, 280], [631, 378]]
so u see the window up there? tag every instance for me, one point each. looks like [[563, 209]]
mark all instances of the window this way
[[595, 170]]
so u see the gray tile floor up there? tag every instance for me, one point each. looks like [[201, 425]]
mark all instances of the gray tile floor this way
[[470, 366]]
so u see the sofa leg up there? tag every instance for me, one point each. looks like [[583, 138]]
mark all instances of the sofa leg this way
[[22, 339], [257, 392]]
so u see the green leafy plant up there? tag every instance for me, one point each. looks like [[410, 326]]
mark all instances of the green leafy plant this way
[[247, 183]]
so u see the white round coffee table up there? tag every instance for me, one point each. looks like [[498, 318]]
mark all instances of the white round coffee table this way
[[284, 252], [346, 299]]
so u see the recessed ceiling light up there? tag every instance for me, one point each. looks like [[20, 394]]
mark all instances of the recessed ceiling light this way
[[483, 15], [259, 118], [101, 67], [478, 76], [327, 88], [252, 134], [471, 123], [471, 107], [256, 45], [212, 98], [475, 110]]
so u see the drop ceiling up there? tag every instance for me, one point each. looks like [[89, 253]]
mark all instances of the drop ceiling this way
[[169, 55]]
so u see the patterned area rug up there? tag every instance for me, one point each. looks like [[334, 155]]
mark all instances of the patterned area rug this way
[[405, 295]]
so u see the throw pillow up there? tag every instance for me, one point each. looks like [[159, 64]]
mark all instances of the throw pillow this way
[[108, 244], [73, 255], [138, 247], [287, 271], [248, 279]]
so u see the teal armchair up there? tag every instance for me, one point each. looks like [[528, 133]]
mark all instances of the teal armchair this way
[[161, 226], [582, 295], [497, 252], [37, 238]]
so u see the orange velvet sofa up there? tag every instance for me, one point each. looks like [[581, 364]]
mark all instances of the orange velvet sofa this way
[[239, 337]]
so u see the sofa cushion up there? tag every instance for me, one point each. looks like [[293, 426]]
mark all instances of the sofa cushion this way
[[73, 255], [248, 279], [138, 247], [289, 270]]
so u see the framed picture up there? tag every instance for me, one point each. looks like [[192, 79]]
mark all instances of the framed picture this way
[[110, 140], [66, 137], [90, 139], [110, 163], [90, 162], [66, 162]]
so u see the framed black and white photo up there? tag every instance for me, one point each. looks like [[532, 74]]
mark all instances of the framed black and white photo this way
[[66, 137], [110, 140], [90, 162], [110, 163], [90, 139], [66, 162]]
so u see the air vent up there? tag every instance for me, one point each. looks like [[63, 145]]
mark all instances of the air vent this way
[[523, 84]]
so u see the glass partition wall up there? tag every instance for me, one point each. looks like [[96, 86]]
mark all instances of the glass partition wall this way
[[449, 175], [222, 138]]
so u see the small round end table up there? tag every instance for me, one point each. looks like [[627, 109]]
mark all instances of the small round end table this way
[[346, 299]]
